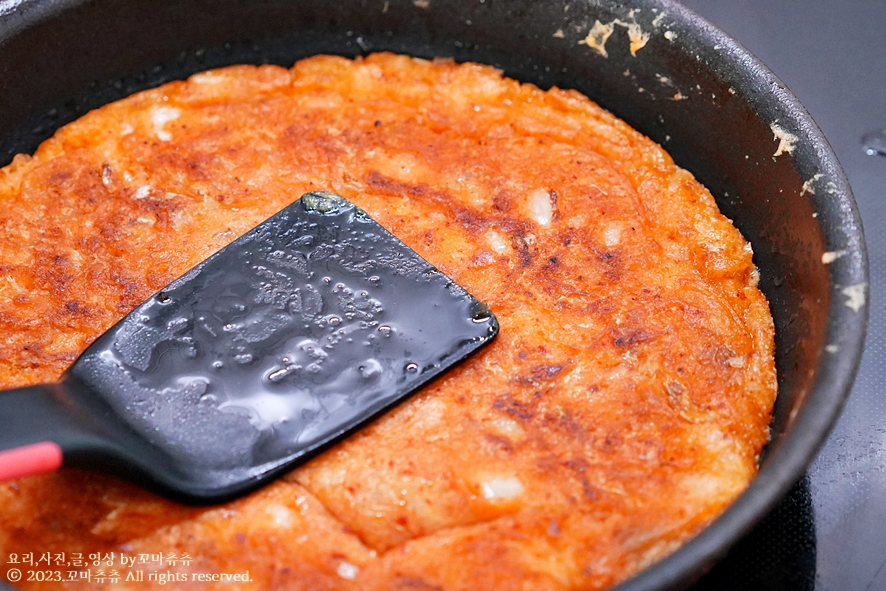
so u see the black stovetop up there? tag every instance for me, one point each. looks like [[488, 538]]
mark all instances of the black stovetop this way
[[829, 534]]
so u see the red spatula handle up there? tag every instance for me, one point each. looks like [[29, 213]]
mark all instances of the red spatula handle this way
[[36, 423], [37, 458]]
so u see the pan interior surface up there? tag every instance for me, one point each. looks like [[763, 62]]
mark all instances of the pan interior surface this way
[[666, 72]]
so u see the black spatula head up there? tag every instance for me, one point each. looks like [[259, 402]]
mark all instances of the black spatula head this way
[[301, 330]]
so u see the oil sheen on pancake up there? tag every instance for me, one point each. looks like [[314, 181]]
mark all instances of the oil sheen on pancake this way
[[622, 407]]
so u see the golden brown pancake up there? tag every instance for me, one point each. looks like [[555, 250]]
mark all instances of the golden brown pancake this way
[[622, 407]]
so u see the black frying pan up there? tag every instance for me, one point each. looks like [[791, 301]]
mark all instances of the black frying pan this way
[[61, 58]]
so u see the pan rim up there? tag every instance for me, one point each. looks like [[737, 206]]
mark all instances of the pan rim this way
[[846, 328]]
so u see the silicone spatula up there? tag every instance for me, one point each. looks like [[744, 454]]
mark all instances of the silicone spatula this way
[[295, 334]]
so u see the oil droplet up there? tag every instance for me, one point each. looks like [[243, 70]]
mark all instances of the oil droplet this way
[[278, 374], [163, 298], [411, 367], [217, 365], [874, 142], [369, 368], [481, 313], [208, 399]]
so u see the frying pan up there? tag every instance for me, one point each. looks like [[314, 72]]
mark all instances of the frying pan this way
[[719, 112]]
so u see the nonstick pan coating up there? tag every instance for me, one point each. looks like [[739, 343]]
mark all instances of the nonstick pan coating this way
[[719, 112]]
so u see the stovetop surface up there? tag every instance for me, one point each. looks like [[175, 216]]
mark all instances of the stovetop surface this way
[[829, 534]]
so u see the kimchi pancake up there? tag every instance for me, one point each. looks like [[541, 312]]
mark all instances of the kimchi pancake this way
[[622, 407]]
